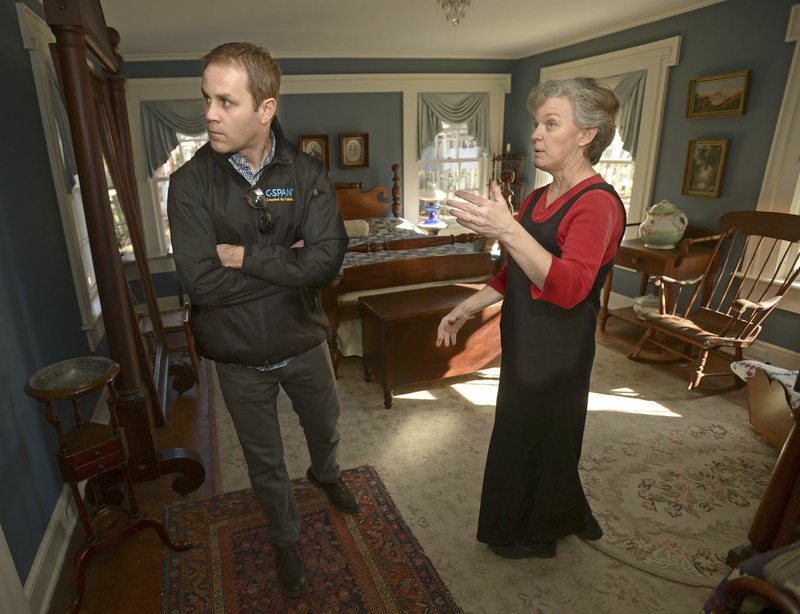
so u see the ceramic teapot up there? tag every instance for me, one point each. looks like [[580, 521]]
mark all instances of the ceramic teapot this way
[[663, 227]]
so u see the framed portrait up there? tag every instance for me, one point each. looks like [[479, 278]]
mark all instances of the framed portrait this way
[[354, 148], [316, 145], [718, 96], [705, 167]]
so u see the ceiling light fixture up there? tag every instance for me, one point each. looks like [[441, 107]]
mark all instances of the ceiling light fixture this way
[[454, 10]]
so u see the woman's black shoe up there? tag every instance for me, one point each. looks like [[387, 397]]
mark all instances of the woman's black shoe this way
[[590, 531], [539, 549]]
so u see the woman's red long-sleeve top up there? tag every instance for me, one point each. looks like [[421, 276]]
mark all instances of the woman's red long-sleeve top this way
[[588, 237]]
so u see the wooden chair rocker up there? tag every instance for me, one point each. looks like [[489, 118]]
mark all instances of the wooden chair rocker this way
[[759, 259]]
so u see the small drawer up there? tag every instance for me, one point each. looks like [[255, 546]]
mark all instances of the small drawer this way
[[640, 261], [95, 451], [73, 472]]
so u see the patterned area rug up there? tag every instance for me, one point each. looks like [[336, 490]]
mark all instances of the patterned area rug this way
[[365, 563], [675, 502]]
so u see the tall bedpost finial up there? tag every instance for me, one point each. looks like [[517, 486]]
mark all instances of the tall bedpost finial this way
[[396, 190]]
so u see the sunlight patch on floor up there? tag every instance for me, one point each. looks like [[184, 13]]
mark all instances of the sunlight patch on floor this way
[[419, 395], [478, 393], [623, 404]]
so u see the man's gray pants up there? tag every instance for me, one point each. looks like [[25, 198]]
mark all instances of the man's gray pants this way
[[250, 396]]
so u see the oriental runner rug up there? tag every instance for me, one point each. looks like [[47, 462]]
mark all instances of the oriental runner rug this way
[[369, 562]]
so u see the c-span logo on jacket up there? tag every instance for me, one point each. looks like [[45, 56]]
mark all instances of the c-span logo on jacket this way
[[279, 195]]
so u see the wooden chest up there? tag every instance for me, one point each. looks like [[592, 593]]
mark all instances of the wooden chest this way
[[399, 337]]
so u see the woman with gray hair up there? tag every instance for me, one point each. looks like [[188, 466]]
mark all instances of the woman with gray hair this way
[[560, 247]]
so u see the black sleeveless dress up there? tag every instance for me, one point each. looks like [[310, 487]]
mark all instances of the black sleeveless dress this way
[[531, 486]]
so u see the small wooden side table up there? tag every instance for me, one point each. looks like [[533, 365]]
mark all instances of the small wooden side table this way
[[684, 260], [89, 450]]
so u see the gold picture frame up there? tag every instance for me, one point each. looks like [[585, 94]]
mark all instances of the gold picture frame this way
[[316, 145], [705, 167], [718, 96], [354, 150]]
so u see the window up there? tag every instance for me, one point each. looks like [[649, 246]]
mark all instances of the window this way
[[453, 162], [159, 183], [617, 166], [36, 38], [635, 179]]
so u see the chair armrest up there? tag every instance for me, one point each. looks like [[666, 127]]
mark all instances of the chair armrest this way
[[666, 280], [742, 304], [669, 287]]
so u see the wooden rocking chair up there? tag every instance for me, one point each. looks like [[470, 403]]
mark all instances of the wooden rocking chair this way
[[759, 259]]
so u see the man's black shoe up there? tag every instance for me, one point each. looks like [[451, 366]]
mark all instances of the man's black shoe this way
[[291, 571], [338, 494]]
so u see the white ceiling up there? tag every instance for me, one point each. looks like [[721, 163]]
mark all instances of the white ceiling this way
[[492, 29]]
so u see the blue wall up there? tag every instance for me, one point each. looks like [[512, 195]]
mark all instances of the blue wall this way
[[41, 323], [335, 114]]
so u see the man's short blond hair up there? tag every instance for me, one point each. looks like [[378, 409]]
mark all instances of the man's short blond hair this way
[[263, 73]]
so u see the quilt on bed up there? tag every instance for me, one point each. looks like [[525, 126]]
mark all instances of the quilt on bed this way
[[391, 229]]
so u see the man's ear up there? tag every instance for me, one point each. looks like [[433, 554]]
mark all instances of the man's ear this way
[[267, 109]]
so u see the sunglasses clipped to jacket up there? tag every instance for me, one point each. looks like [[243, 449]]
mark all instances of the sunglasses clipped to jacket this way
[[256, 198]]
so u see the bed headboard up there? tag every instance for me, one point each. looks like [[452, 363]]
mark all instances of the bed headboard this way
[[355, 204]]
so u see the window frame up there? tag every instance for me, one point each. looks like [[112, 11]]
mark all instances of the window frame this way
[[780, 187], [655, 58], [37, 37]]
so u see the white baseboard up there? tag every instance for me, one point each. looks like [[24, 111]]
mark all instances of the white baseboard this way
[[52, 553], [760, 350]]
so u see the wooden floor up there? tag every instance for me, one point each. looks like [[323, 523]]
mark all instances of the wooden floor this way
[[128, 578]]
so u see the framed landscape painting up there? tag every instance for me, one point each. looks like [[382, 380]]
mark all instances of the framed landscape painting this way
[[718, 96]]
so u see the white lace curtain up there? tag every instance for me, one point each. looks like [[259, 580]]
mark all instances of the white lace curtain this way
[[452, 108], [162, 120]]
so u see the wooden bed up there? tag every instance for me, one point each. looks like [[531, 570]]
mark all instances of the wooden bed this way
[[392, 257], [355, 204]]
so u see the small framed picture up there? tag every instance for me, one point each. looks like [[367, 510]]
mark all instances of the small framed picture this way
[[705, 167], [316, 145], [354, 149], [718, 96]]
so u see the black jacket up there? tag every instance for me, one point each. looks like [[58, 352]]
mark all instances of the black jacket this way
[[257, 314]]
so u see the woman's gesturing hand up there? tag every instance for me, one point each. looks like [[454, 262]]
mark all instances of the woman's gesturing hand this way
[[489, 217], [449, 327]]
